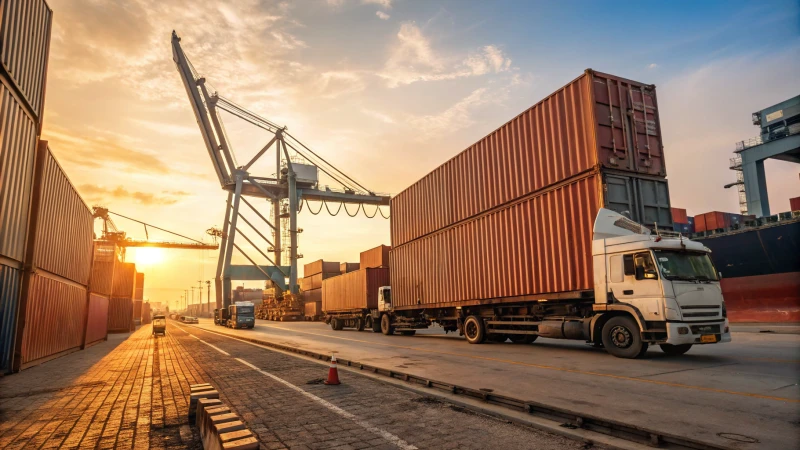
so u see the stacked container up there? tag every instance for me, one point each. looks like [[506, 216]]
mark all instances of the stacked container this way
[[354, 291], [138, 296], [24, 48], [120, 309], [717, 220], [681, 222], [346, 267], [311, 283], [54, 296], [375, 257], [512, 215]]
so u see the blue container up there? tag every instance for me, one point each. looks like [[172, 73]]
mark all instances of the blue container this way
[[9, 303]]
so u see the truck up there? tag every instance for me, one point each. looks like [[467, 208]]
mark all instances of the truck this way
[[237, 315], [551, 226], [351, 300]]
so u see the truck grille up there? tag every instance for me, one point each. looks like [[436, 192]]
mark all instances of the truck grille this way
[[700, 307], [701, 314], [705, 329]]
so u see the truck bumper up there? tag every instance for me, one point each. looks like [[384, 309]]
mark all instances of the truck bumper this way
[[697, 333]]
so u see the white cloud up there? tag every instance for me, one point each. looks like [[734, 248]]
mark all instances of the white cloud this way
[[413, 59], [454, 118], [382, 15], [383, 3], [334, 84], [652, 66], [383, 117]]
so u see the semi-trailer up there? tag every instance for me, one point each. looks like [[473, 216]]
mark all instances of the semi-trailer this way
[[535, 230]]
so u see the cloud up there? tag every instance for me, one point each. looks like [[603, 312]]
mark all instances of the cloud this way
[[97, 194], [652, 66], [383, 3], [383, 117], [413, 59], [454, 118], [382, 15], [334, 84]]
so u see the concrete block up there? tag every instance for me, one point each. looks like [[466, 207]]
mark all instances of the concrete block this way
[[202, 405], [194, 397], [249, 443], [234, 435]]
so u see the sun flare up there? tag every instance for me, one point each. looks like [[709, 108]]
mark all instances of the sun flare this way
[[148, 256]]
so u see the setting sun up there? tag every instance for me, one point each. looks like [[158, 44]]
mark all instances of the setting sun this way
[[148, 256]]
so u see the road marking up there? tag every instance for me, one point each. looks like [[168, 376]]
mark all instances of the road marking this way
[[362, 423], [546, 367], [210, 345]]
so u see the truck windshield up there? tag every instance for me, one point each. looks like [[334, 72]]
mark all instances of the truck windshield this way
[[690, 266], [244, 310]]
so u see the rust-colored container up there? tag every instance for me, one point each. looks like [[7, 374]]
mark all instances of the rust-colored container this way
[[138, 290], [794, 204], [580, 127], [24, 47], [699, 223], [147, 314], [305, 283], [313, 309], [106, 257], [320, 266], [346, 267], [375, 257], [316, 280], [314, 295], [120, 315], [714, 220], [54, 316], [62, 243], [354, 290], [535, 246], [124, 280], [137, 311], [679, 215], [97, 319], [17, 156], [10, 282]]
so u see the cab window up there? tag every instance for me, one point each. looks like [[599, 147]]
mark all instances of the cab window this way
[[644, 267]]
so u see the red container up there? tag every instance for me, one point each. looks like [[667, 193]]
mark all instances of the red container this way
[[537, 245], [138, 292], [348, 267], [53, 321], [124, 280], [106, 258], [120, 315], [62, 243], [794, 203], [305, 283], [25, 45], [700, 223], [97, 319], [568, 133], [763, 298], [312, 309], [17, 156], [320, 266], [375, 257], [714, 220], [679, 215], [354, 290]]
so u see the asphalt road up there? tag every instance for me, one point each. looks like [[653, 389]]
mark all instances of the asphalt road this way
[[727, 394]]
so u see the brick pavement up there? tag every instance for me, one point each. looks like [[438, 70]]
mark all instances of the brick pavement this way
[[136, 396]]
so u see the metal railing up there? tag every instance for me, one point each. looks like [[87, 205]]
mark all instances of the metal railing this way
[[769, 137]]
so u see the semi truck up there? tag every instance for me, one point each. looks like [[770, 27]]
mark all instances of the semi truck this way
[[237, 315]]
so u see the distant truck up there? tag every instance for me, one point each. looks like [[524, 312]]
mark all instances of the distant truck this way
[[238, 315]]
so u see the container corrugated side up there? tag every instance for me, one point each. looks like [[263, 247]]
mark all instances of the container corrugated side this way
[[96, 318], [55, 311], [699, 223], [679, 215], [566, 134], [375, 257], [316, 280], [347, 267], [106, 257], [320, 266], [58, 211], [538, 245], [312, 309], [10, 282], [138, 292], [313, 295], [137, 310], [305, 283], [120, 315], [25, 45], [794, 204], [124, 280], [17, 156], [354, 290]]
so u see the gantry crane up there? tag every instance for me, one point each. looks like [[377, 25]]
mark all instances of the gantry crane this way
[[293, 182]]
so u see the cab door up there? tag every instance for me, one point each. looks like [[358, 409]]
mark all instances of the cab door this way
[[634, 280]]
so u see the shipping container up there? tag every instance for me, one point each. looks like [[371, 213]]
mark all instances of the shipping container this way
[[137, 311], [714, 220], [314, 295], [124, 280], [305, 283], [580, 127], [97, 319], [53, 322], [106, 257], [138, 290], [794, 204], [320, 266], [346, 267], [58, 211], [120, 315], [17, 157], [147, 314], [354, 290], [699, 223], [10, 282], [375, 257], [679, 215], [24, 47], [316, 280], [312, 309]]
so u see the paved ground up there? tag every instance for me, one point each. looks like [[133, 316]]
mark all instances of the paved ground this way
[[745, 389], [132, 393]]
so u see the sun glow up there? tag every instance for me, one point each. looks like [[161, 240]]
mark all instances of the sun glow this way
[[148, 256]]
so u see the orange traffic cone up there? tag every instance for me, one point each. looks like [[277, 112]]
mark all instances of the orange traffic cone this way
[[333, 373]]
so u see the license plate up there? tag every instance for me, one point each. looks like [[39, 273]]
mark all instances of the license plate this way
[[708, 338]]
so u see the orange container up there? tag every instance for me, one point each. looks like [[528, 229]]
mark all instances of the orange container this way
[[354, 290], [97, 319], [320, 266], [375, 257], [120, 315], [124, 280]]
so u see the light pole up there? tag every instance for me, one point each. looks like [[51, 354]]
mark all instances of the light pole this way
[[208, 294], [200, 289]]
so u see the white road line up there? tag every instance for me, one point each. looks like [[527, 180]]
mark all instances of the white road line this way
[[362, 423], [210, 345]]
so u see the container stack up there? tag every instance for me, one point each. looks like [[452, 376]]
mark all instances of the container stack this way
[[346, 267], [526, 197], [354, 291], [717, 221], [311, 283], [138, 298], [681, 222], [24, 49], [120, 308], [375, 257]]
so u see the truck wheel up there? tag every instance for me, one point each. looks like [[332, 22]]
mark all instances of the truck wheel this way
[[621, 338], [675, 350], [408, 332], [335, 324], [523, 338], [386, 325], [474, 330], [360, 324]]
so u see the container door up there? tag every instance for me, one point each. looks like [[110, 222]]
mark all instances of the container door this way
[[619, 195], [644, 200]]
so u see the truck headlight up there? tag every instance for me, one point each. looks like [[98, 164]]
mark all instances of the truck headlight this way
[[672, 314]]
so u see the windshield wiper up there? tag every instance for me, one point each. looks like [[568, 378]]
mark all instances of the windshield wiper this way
[[679, 277]]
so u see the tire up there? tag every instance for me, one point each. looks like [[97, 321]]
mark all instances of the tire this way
[[621, 338], [376, 325], [386, 325], [335, 324], [675, 350], [474, 330], [523, 338], [360, 325], [408, 332]]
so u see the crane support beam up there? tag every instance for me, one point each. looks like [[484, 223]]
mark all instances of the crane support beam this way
[[342, 197], [175, 245]]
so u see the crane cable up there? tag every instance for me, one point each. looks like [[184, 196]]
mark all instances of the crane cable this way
[[324, 203], [153, 226]]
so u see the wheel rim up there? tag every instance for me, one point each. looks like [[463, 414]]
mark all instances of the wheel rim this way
[[471, 329], [621, 337]]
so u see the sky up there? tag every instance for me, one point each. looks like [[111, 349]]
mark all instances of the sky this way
[[387, 90]]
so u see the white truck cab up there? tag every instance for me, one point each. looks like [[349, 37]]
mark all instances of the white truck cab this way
[[667, 282]]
